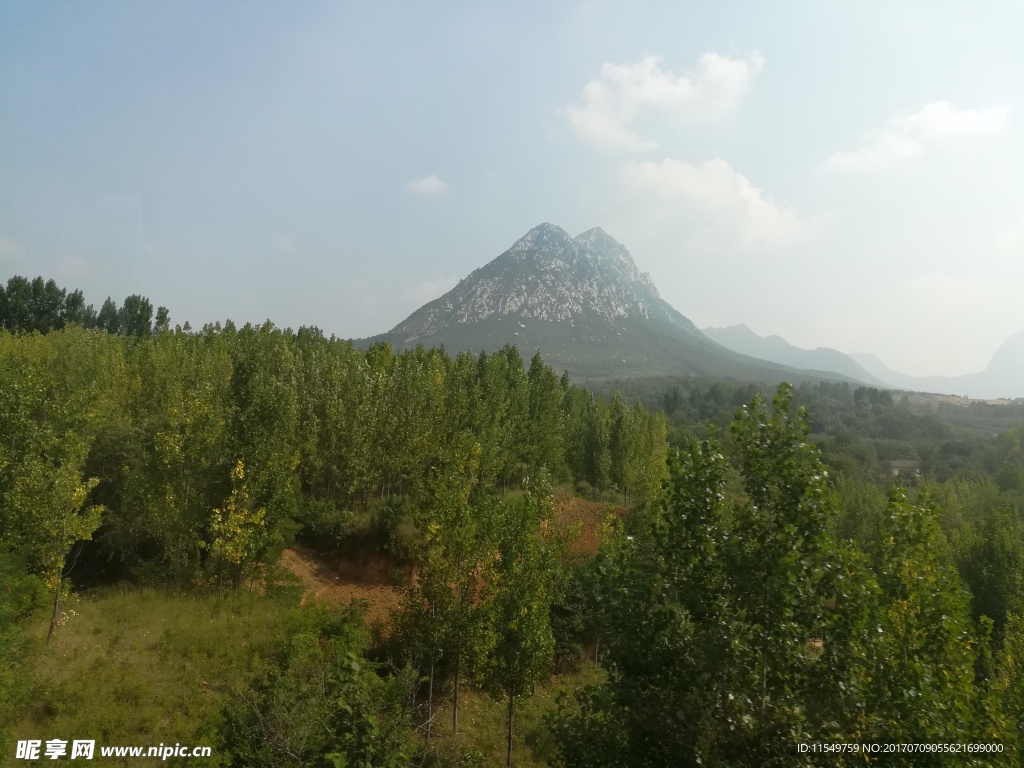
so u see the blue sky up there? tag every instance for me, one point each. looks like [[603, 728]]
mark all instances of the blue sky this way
[[843, 174]]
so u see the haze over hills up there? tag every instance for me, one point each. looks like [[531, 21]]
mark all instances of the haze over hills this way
[[1003, 378], [776, 349], [586, 306]]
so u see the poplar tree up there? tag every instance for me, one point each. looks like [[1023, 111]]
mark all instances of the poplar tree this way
[[923, 677], [237, 529], [445, 616], [48, 409], [545, 425], [525, 582], [597, 455]]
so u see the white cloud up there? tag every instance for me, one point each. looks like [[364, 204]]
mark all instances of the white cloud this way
[[609, 104], [286, 244], [11, 250], [428, 186], [912, 135], [723, 194]]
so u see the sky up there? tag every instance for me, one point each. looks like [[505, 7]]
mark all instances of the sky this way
[[843, 174]]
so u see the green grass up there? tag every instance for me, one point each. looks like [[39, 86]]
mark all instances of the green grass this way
[[481, 740], [141, 667]]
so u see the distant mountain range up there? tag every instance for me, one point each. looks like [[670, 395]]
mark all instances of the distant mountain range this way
[[1003, 378], [584, 304], [740, 338]]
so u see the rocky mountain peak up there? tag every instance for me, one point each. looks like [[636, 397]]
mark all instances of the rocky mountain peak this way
[[543, 235], [548, 275], [612, 259]]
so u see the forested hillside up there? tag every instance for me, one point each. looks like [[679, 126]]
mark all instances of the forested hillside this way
[[762, 580], [189, 461]]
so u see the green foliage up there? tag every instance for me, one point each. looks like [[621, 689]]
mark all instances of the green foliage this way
[[237, 531], [545, 430], [737, 627], [526, 581], [597, 450], [28, 306], [48, 405], [754, 601], [21, 597], [316, 701], [135, 318], [446, 624], [1008, 685], [177, 419], [923, 681], [322, 429], [574, 615]]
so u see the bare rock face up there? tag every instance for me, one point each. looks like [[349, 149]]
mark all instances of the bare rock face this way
[[548, 275]]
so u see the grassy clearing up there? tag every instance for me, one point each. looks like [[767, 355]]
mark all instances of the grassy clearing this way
[[140, 667], [136, 666]]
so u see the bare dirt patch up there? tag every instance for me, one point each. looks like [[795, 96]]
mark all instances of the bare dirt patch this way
[[372, 577], [590, 516], [370, 580]]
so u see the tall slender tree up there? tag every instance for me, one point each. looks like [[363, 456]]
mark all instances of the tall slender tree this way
[[524, 584]]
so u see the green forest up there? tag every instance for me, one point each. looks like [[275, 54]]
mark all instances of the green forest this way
[[821, 565]]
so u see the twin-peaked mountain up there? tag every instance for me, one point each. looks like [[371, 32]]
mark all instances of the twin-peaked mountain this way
[[585, 306], [548, 275]]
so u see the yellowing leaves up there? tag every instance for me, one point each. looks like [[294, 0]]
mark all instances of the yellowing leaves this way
[[237, 528]]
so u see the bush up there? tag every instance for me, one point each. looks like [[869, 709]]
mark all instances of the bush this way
[[317, 701]]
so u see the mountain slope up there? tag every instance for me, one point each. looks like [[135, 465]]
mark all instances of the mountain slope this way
[[1004, 376], [547, 275], [776, 349], [584, 304]]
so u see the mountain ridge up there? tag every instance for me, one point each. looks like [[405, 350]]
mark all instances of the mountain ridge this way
[[1003, 377], [586, 306], [741, 338]]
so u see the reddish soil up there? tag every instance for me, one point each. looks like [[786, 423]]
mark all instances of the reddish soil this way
[[590, 516], [372, 578], [369, 580]]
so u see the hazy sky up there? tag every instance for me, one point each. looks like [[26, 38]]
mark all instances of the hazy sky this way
[[845, 174]]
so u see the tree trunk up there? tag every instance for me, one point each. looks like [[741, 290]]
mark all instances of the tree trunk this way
[[455, 701], [430, 700], [511, 706], [56, 610]]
